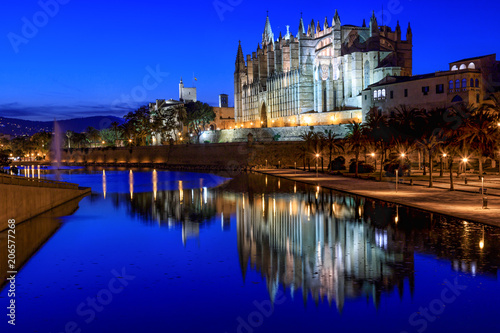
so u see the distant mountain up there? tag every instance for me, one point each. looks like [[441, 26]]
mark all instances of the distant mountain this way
[[19, 127]]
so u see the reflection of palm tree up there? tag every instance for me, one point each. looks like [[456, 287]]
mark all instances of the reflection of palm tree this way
[[379, 132]]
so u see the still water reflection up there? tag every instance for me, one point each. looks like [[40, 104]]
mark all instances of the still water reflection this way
[[256, 239]]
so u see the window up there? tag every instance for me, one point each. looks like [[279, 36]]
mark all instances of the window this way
[[454, 68], [457, 84], [439, 88], [477, 83], [375, 94], [462, 66], [457, 99], [477, 98], [451, 85], [472, 83], [425, 90], [464, 83], [383, 93], [366, 97], [472, 66], [392, 94], [406, 92]]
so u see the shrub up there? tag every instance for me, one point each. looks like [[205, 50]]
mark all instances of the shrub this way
[[338, 164], [362, 167]]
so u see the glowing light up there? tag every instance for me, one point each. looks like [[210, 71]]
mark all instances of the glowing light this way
[[317, 155], [103, 142], [181, 192], [403, 155], [373, 154], [104, 184], [481, 244], [131, 184], [465, 160], [445, 155], [155, 184]]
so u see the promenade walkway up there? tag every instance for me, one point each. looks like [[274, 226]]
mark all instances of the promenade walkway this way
[[466, 205]]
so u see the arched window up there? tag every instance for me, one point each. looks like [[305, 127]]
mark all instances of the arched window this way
[[454, 68], [457, 84], [367, 74], [464, 83], [375, 94], [451, 85], [477, 83], [462, 66], [472, 66], [472, 83], [457, 99], [383, 93]]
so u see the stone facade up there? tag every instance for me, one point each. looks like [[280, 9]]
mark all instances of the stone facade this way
[[187, 95], [469, 81], [321, 70]]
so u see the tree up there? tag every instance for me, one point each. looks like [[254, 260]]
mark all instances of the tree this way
[[198, 116], [431, 125], [168, 121], [379, 133], [139, 125], [306, 150], [92, 135], [69, 135], [355, 139], [481, 133], [333, 143]]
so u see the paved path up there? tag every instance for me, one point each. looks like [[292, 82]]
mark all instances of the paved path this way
[[459, 204]]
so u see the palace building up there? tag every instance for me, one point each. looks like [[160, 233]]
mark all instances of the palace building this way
[[318, 76]]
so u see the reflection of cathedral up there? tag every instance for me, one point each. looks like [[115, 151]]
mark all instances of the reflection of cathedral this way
[[322, 246], [323, 243]]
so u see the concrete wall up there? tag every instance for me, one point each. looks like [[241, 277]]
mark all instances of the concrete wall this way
[[267, 134], [24, 202]]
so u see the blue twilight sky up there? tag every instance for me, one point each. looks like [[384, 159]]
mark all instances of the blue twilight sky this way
[[95, 57]]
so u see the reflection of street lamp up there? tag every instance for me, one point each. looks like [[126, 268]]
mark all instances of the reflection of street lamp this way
[[465, 160]]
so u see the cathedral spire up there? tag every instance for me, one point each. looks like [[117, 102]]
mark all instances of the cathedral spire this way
[[267, 36], [240, 59], [326, 25], [301, 26], [409, 34], [336, 18], [373, 25], [398, 32]]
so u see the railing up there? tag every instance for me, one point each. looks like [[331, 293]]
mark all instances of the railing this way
[[25, 181]]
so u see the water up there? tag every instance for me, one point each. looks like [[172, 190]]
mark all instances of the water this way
[[188, 252]]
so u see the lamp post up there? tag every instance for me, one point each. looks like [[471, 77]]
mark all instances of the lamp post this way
[[442, 157], [465, 160], [397, 179], [374, 160]]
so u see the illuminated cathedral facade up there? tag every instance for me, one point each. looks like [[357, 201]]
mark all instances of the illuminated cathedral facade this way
[[316, 77]]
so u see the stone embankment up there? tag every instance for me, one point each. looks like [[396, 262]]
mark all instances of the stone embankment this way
[[23, 198]]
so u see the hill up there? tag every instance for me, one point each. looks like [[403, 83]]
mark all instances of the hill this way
[[19, 127]]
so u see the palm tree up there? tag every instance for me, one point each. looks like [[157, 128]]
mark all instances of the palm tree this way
[[481, 133], [92, 135], [379, 134], [431, 125], [308, 138], [355, 138], [333, 143], [69, 135]]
